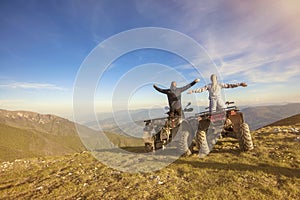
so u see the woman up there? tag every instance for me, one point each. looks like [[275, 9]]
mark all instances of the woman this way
[[214, 90]]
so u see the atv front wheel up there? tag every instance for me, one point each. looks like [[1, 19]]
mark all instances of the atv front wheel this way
[[149, 147], [245, 139]]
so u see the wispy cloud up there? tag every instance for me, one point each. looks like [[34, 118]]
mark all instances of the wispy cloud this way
[[27, 85], [245, 41]]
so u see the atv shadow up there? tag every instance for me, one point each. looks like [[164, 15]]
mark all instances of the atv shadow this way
[[131, 149], [141, 150], [171, 151], [135, 149], [275, 170]]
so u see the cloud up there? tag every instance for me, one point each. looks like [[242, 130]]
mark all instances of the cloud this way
[[245, 40], [250, 40], [273, 74], [27, 85]]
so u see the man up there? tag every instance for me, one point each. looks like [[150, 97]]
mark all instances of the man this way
[[174, 97]]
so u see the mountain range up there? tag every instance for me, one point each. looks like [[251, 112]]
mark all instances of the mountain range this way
[[261, 116], [123, 122], [29, 134]]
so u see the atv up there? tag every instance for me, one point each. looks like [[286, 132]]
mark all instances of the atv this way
[[200, 131], [226, 123], [160, 132]]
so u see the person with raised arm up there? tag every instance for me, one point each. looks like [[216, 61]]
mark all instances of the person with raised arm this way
[[174, 97], [216, 102]]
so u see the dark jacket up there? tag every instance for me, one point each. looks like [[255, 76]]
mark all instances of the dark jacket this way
[[174, 95]]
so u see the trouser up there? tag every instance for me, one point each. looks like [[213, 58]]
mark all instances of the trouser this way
[[175, 112], [216, 104]]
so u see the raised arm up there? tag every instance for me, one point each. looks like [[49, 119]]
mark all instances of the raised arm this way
[[182, 89], [228, 85], [198, 90], [165, 91]]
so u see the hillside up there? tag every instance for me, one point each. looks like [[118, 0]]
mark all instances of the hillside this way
[[19, 143], [27, 134], [44, 123], [261, 116], [270, 171], [290, 121]]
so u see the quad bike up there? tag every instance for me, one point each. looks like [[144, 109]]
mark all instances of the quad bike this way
[[201, 130], [160, 132], [226, 123]]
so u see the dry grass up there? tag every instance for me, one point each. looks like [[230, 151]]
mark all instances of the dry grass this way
[[270, 171]]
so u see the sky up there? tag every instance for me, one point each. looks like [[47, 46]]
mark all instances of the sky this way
[[44, 44]]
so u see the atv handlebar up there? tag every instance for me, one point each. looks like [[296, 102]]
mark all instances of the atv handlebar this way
[[205, 113], [229, 102]]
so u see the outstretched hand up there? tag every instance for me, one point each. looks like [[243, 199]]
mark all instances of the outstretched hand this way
[[154, 85], [190, 92], [197, 80], [244, 84]]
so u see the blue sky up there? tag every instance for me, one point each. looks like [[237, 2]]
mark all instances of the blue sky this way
[[44, 43]]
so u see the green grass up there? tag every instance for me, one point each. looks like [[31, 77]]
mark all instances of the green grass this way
[[16, 143], [270, 171], [124, 141]]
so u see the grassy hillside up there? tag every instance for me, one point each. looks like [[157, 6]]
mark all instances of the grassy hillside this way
[[293, 120], [27, 134], [270, 171], [21, 143], [44, 123]]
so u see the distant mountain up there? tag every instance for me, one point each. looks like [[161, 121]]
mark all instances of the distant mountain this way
[[261, 116], [123, 122], [29, 134], [118, 121], [109, 121], [44, 123]]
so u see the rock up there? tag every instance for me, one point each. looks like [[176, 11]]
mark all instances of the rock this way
[[160, 182], [276, 130], [39, 188]]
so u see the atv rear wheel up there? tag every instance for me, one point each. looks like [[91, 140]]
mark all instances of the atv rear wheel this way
[[185, 141], [202, 144], [245, 139]]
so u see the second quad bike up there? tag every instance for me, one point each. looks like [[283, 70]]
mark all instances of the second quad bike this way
[[160, 132], [201, 130]]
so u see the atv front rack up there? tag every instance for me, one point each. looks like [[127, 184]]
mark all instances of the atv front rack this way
[[208, 113]]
